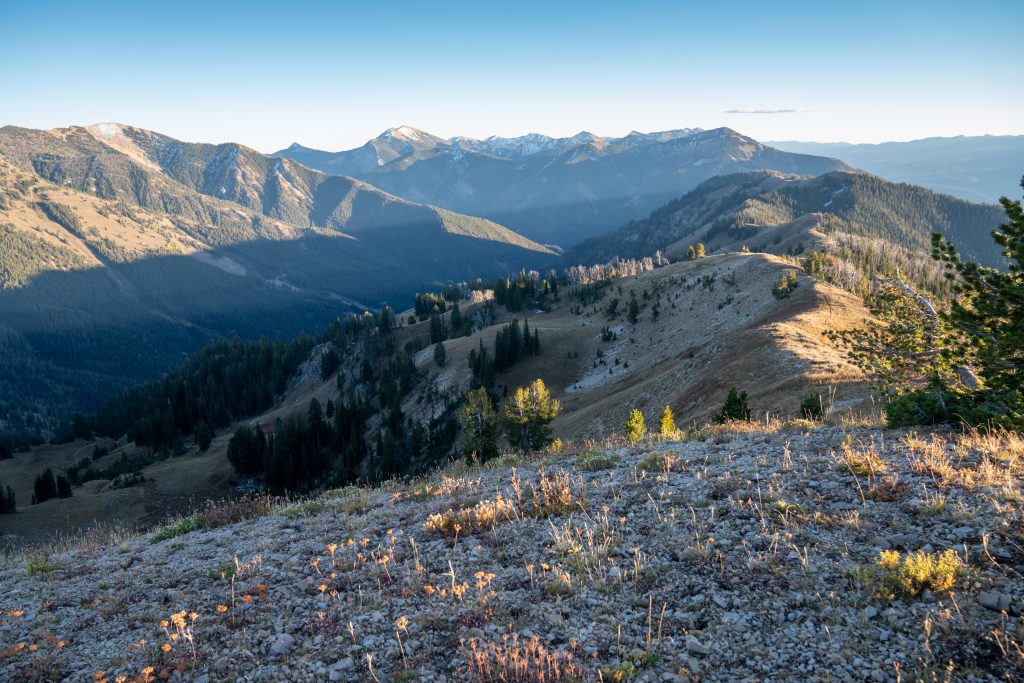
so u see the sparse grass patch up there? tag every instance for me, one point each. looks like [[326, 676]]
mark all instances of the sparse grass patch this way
[[594, 460], [41, 564], [658, 462], [935, 460], [216, 514], [180, 528], [350, 500], [861, 462], [551, 494]]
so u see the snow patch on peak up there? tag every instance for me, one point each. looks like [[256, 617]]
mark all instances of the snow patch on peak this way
[[108, 131], [407, 133]]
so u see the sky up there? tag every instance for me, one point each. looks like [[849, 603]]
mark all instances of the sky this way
[[331, 75]]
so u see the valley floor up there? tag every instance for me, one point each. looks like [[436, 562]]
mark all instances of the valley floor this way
[[747, 553]]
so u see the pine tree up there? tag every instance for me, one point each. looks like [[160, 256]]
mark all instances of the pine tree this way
[[479, 423], [633, 312], [63, 487], [456, 319], [8, 503], [437, 331], [734, 408], [440, 355], [635, 428], [667, 425], [329, 362], [528, 415], [988, 311], [203, 436], [44, 487]]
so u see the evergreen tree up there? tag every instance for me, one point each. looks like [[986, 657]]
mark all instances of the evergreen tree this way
[[329, 362], [8, 502], [734, 408], [528, 415], [204, 436], [44, 487], [63, 487], [437, 331], [633, 312], [456, 319], [988, 312], [479, 423], [244, 450], [636, 430], [440, 355], [667, 424]]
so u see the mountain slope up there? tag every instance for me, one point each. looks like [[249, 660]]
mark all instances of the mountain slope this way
[[977, 168], [124, 249], [556, 191], [702, 327], [789, 214], [159, 173]]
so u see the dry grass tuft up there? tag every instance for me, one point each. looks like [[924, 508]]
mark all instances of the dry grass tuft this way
[[516, 661]]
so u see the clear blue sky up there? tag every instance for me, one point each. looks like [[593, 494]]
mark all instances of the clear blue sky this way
[[333, 74]]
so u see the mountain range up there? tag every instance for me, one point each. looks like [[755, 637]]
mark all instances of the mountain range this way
[[123, 249], [554, 190], [979, 168]]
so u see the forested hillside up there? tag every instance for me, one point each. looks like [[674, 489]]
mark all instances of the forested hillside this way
[[870, 224], [115, 262]]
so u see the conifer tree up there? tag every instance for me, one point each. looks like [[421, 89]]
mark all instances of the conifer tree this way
[[479, 422], [667, 424], [203, 436], [8, 502], [988, 311], [734, 408], [437, 331], [636, 430], [633, 312], [528, 415], [440, 355], [63, 487]]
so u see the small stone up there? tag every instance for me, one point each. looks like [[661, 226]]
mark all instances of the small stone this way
[[695, 646], [870, 612], [997, 602], [282, 645]]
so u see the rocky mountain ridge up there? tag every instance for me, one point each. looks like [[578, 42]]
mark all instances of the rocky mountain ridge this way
[[740, 551]]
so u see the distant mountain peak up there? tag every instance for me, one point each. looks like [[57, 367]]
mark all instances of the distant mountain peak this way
[[409, 134]]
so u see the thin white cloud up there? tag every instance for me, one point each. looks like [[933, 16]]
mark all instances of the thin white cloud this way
[[763, 111]]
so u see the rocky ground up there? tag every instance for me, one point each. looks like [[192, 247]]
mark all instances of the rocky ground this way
[[736, 554]]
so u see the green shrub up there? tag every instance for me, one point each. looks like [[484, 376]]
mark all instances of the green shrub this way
[[939, 405], [812, 407], [185, 526], [592, 461]]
